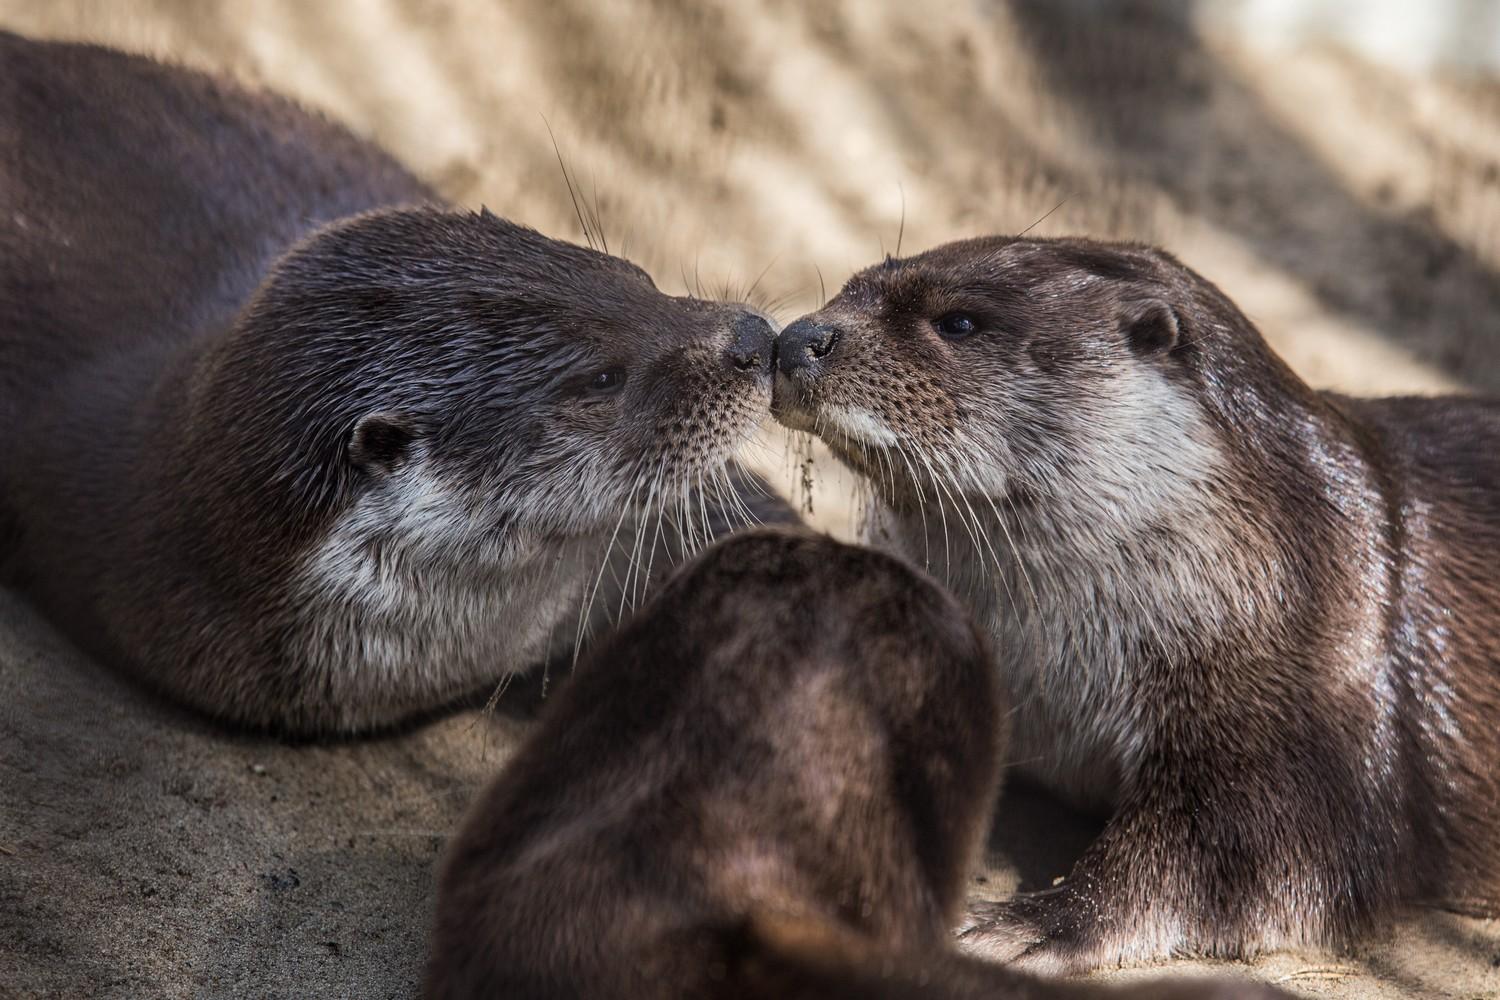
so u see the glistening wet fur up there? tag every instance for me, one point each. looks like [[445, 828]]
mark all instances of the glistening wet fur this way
[[1256, 622], [300, 446]]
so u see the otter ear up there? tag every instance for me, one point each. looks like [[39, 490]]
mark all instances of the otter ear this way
[[381, 442], [1150, 326]]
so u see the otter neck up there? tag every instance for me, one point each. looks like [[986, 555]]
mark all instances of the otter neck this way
[[1117, 561]]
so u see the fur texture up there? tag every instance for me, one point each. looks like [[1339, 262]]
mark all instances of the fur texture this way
[[771, 783], [1256, 622], [299, 446]]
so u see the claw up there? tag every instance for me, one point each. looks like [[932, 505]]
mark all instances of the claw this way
[[997, 932]]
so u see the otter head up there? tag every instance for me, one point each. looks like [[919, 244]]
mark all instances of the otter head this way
[[1004, 372], [395, 469], [453, 385]]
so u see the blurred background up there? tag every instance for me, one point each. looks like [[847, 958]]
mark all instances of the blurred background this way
[[1334, 166]]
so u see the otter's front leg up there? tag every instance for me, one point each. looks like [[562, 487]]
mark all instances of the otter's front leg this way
[[1228, 852], [1103, 913]]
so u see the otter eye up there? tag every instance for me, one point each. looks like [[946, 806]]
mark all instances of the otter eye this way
[[956, 326], [606, 381]]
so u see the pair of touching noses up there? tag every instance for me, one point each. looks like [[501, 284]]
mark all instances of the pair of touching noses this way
[[757, 344]]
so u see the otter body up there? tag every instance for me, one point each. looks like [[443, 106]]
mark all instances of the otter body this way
[[292, 441], [1259, 624], [771, 783]]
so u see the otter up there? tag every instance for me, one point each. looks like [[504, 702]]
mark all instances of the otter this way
[[299, 445], [1257, 624], [772, 782]]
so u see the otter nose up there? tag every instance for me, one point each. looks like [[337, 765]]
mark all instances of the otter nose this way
[[802, 343], [754, 343]]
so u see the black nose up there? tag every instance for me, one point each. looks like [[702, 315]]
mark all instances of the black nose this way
[[754, 343], [803, 342]]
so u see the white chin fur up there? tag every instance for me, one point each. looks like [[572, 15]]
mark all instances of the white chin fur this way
[[859, 425], [411, 592]]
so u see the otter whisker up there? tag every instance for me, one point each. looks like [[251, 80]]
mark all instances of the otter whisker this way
[[726, 290], [714, 502], [890, 474], [557, 565], [572, 194], [901, 229], [493, 701], [749, 295], [659, 491], [748, 517], [730, 507], [661, 511], [655, 502], [1021, 553], [1044, 217], [975, 531], [678, 507], [951, 484], [966, 455], [922, 512], [971, 473], [690, 527], [1017, 557], [708, 533], [753, 483], [588, 607], [1022, 761], [594, 211], [627, 590], [781, 301]]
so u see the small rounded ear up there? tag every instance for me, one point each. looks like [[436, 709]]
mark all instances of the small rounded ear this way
[[381, 442], [1150, 326]]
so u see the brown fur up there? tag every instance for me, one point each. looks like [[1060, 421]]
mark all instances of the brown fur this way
[[1257, 622], [293, 442], [771, 783]]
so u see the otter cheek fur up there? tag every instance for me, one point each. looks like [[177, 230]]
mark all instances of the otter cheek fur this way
[[293, 451], [1256, 622]]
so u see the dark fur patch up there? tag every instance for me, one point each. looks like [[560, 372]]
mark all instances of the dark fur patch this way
[[770, 783], [380, 441]]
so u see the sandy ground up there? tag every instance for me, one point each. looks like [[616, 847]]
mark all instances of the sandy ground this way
[[1351, 206]]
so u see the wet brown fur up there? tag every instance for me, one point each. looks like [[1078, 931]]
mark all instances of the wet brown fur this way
[[295, 443], [1259, 623], [771, 783]]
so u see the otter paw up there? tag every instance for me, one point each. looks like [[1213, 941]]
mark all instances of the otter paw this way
[[1029, 932]]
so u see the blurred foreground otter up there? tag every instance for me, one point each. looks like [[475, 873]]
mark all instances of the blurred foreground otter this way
[[1259, 623], [299, 446], [770, 783]]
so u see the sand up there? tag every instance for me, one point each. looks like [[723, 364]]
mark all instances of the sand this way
[[1350, 203]]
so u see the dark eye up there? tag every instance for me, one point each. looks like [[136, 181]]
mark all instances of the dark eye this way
[[956, 326], [607, 381]]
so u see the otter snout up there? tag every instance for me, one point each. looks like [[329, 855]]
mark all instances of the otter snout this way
[[803, 343], [754, 344]]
